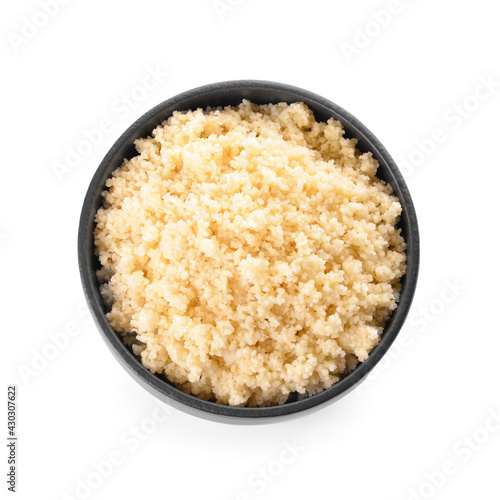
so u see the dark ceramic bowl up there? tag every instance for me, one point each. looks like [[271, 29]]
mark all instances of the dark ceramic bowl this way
[[223, 94]]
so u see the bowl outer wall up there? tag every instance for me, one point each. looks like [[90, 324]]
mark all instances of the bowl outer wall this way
[[229, 94]]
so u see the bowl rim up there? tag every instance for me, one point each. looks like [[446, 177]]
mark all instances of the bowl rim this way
[[215, 411]]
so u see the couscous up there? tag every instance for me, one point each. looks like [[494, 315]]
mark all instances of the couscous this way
[[249, 252]]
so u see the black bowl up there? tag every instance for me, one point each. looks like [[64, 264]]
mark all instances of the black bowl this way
[[224, 94]]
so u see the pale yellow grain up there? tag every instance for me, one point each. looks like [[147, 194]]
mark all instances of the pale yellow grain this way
[[252, 250]]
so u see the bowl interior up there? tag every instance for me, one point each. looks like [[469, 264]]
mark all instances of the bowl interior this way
[[231, 94]]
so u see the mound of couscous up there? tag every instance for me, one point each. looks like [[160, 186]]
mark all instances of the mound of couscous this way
[[249, 252]]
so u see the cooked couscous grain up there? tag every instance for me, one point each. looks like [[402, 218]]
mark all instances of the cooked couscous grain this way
[[251, 250]]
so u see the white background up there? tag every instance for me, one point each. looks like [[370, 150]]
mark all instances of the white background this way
[[383, 440]]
